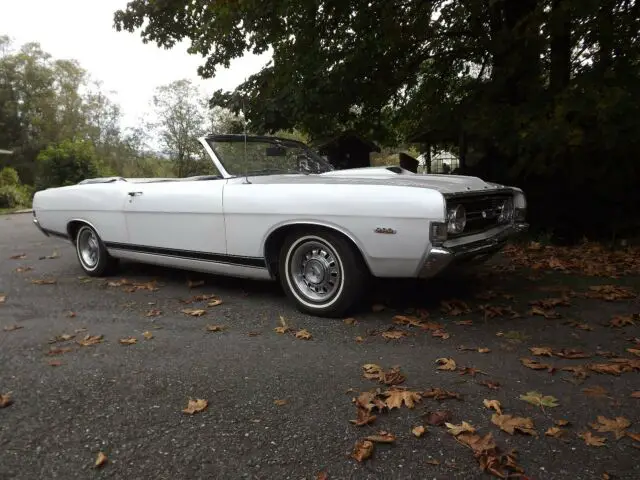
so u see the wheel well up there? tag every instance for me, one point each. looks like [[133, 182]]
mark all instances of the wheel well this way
[[275, 240], [73, 227]]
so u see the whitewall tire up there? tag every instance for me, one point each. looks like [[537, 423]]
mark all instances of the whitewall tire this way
[[321, 272], [92, 254]]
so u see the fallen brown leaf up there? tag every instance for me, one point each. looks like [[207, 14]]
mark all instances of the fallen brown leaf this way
[[350, 321], [440, 394], [535, 365], [303, 335], [440, 334], [621, 321], [595, 391], [484, 350], [510, 424], [153, 313], [322, 476], [541, 351], [194, 312], [555, 432], [362, 450], [196, 406], [59, 351], [438, 418], [215, 328], [571, 353], [147, 335], [23, 269], [281, 402], [55, 363], [490, 384], [635, 394], [394, 334], [128, 341], [634, 351], [44, 281], [592, 440], [418, 431], [456, 430], [376, 372], [214, 303], [616, 426], [471, 371], [5, 400], [195, 283], [101, 460], [454, 307], [634, 436], [397, 397], [364, 417], [12, 328], [464, 322], [381, 437], [283, 328], [610, 292], [433, 461], [18, 256], [493, 404], [448, 364], [3, 298], [561, 422], [91, 340]]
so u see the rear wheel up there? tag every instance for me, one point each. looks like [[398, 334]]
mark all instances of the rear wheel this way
[[322, 273], [92, 254]]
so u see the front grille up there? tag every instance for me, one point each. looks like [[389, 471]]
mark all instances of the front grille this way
[[482, 210]]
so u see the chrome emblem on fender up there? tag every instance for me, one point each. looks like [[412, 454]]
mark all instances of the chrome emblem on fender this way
[[389, 231]]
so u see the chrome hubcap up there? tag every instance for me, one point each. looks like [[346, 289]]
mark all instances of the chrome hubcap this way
[[88, 248], [315, 270]]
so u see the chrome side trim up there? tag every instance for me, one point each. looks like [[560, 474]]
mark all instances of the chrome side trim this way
[[440, 258]]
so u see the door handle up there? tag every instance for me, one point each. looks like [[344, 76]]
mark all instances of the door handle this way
[[133, 194]]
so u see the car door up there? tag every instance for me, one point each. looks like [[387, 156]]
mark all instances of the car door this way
[[181, 218]]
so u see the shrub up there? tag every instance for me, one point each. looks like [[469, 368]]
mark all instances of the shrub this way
[[9, 177], [12, 196], [66, 163]]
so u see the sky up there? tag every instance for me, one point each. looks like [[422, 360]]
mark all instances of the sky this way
[[83, 30]]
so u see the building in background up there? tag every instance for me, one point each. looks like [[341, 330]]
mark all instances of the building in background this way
[[346, 150]]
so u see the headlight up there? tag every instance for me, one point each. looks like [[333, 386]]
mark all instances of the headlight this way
[[456, 219], [506, 211]]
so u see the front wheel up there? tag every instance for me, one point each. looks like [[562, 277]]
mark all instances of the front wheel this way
[[92, 254], [322, 273]]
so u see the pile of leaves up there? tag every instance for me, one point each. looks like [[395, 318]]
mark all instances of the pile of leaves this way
[[371, 403], [588, 258]]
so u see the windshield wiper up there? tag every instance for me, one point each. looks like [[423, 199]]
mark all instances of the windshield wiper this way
[[270, 171]]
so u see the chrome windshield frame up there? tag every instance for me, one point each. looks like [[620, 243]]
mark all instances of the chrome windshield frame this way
[[207, 141]]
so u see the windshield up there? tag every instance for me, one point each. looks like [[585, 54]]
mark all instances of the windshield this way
[[265, 156]]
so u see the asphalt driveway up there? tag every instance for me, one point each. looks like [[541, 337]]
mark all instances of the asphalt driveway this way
[[280, 406]]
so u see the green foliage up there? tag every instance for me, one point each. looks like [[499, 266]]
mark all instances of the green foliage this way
[[545, 92], [67, 163], [9, 177], [11, 197]]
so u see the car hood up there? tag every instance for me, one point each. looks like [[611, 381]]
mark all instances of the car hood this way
[[384, 176]]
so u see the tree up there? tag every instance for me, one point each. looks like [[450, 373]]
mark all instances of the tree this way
[[545, 90], [180, 120], [67, 163]]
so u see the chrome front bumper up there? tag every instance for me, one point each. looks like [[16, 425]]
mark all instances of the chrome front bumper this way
[[37, 224], [454, 251]]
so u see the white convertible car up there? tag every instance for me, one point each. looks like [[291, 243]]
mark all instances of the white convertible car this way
[[276, 209]]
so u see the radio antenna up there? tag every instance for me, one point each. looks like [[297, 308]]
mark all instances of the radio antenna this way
[[244, 124]]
